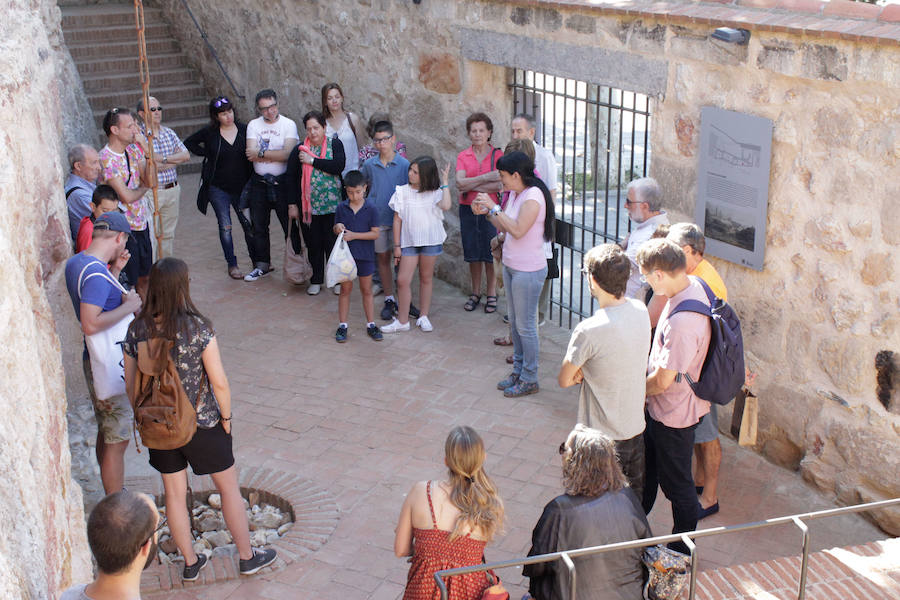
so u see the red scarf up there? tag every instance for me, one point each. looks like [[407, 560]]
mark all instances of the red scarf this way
[[306, 178]]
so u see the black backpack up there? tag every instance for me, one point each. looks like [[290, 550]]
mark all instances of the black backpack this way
[[722, 375]]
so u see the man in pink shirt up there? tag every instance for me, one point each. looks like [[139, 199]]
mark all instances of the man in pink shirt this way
[[673, 411]]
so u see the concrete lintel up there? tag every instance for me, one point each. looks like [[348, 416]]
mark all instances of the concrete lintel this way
[[623, 70]]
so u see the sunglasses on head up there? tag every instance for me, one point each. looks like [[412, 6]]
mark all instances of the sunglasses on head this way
[[220, 102]]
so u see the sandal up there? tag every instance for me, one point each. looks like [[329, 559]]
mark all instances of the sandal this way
[[503, 341], [472, 302], [490, 304]]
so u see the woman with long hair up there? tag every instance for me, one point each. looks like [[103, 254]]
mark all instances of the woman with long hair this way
[[447, 524], [342, 124], [169, 313], [527, 221], [314, 179], [223, 145], [597, 508]]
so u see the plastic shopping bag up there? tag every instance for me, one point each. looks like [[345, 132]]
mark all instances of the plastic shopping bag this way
[[340, 267]]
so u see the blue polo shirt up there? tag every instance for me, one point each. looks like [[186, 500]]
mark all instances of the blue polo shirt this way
[[361, 221], [383, 180]]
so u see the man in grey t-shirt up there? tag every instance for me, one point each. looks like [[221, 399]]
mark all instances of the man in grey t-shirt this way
[[122, 531], [607, 355]]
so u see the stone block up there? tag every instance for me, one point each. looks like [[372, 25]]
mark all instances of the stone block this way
[[581, 23], [678, 179], [783, 453], [640, 38], [861, 229], [548, 19], [841, 360], [521, 16], [890, 217], [823, 62], [699, 46], [439, 72], [826, 233], [686, 134], [881, 142], [778, 56], [878, 267], [796, 345]]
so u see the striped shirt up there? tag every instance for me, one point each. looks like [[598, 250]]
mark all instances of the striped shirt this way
[[423, 219], [166, 143]]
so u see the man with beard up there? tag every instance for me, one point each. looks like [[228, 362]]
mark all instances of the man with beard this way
[[122, 532], [643, 203]]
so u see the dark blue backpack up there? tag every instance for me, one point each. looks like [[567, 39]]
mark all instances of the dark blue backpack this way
[[722, 375]]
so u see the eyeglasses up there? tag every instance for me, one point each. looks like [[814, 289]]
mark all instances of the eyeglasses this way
[[162, 523], [562, 448], [381, 140], [265, 108], [644, 277], [155, 108], [223, 101], [584, 271]]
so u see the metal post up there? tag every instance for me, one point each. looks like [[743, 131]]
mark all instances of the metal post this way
[[693, 549], [144, 67], [571, 566], [804, 561]]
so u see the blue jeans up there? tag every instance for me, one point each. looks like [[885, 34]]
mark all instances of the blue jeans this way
[[222, 202], [523, 288]]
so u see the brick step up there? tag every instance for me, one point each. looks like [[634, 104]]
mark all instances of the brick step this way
[[110, 82], [122, 65], [124, 49], [118, 33], [192, 110], [166, 94], [106, 15]]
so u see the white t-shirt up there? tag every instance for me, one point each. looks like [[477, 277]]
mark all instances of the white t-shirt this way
[[637, 238], [348, 139], [423, 219], [76, 592], [611, 349], [545, 163], [271, 136]]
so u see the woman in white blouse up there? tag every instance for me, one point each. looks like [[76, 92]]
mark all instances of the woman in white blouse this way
[[418, 236], [344, 125]]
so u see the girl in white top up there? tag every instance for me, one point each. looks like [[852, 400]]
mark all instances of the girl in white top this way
[[418, 236], [343, 124]]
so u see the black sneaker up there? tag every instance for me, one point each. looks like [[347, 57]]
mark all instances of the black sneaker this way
[[413, 311], [192, 572], [373, 332], [506, 319], [340, 336], [261, 558], [389, 310]]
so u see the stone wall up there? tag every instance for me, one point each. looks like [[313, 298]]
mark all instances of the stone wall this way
[[43, 538], [826, 301]]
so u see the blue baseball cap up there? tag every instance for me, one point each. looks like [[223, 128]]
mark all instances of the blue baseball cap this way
[[113, 221]]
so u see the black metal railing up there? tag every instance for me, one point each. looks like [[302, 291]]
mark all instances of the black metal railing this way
[[688, 538], [212, 50], [600, 137]]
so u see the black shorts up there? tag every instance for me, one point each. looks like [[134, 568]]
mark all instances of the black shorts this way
[[209, 451], [141, 256]]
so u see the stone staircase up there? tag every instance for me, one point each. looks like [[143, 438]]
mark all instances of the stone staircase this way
[[103, 43]]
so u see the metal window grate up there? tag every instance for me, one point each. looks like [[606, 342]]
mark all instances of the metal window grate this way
[[600, 137]]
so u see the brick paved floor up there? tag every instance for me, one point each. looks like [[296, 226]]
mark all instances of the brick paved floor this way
[[365, 420]]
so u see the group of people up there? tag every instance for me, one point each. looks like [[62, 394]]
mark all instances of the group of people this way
[[639, 422]]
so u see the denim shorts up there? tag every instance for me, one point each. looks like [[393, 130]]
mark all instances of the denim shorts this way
[[433, 250]]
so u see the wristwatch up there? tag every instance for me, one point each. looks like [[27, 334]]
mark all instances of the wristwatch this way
[[495, 210], [165, 160]]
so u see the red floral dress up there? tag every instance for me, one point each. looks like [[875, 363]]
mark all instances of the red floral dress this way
[[433, 551]]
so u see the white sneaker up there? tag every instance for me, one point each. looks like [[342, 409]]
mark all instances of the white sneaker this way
[[376, 288], [424, 323], [313, 289], [336, 290], [395, 326]]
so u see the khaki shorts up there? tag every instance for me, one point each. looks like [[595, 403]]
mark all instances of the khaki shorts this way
[[115, 418], [385, 240]]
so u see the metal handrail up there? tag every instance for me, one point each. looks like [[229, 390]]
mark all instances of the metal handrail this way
[[212, 50], [687, 537]]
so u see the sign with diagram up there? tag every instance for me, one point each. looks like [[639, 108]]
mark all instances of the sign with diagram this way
[[733, 184]]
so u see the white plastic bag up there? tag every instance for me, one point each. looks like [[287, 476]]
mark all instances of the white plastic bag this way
[[107, 360], [340, 267]]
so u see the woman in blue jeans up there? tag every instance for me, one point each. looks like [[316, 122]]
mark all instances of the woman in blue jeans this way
[[223, 144], [524, 224]]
